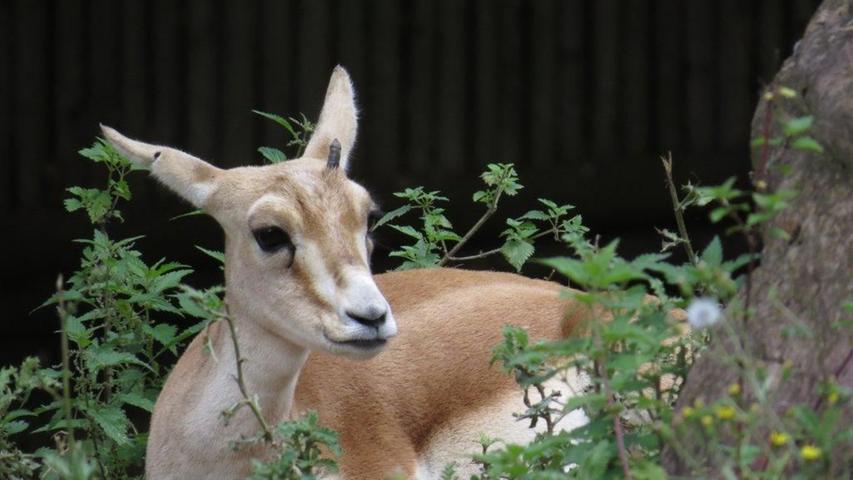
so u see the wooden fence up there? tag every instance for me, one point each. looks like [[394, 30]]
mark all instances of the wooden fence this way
[[582, 95]]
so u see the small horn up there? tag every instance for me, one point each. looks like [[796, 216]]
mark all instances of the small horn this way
[[334, 154]]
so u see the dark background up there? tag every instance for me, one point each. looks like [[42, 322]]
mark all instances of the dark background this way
[[582, 96]]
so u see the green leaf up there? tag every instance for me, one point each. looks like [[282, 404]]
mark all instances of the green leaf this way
[[713, 253], [534, 215], [162, 332], [168, 280], [191, 213], [77, 332], [807, 144], [718, 213], [112, 421], [102, 357], [136, 400], [279, 120], [121, 189], [798, 126], [398, 212], [405, 229], [273, 155], [15, 426], [517, 252], [214, 254], [72, 204]]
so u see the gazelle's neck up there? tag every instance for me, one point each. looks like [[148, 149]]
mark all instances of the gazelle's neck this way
[[271, 363]]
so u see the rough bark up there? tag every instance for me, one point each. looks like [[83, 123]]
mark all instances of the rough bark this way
[[807, 279]]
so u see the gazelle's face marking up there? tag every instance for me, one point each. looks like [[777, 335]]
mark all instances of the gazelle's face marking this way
[[297, 251], [317, 290]]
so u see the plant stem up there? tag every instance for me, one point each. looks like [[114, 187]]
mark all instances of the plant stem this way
[[248, 400], [489, 212], [553, 230], [678, 209], [617, 426], [761, 168], [475, 257], [66, 362]]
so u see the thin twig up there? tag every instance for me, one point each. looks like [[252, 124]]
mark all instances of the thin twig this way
[[475, 257], [247, 399], [761, 168], [678, 209], [493, 207], [617, 425], [66, 362], [553, 230]]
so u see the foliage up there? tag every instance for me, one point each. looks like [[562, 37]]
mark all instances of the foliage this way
[[633, 353], [437, 244], [301, 453], [630, 358], [119, 337], [299, 130]]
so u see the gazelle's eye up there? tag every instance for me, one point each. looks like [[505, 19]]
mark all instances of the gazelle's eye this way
[[272, 239]]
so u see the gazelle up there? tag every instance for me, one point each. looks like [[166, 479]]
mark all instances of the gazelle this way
[[397, 364]]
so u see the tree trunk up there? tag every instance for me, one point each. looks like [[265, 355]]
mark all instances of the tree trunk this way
[[805, 280]]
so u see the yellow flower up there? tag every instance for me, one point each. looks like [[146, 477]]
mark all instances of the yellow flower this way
[[810, 452], [698, 403], [707, 421], [832, 398], [787, 92], [725, 412], [686, 412], [777, 439], [734, 389]]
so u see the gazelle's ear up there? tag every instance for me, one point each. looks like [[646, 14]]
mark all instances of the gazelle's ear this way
[[190, 177], [338, 119]]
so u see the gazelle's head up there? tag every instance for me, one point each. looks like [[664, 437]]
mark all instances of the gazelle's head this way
[[297, 244]]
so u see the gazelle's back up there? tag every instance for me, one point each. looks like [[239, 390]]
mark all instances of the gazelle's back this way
[[429, 395]]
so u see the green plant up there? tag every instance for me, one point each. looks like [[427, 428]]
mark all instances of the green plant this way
[[635, 354], [118, 339], [437, 244], [300, 131]]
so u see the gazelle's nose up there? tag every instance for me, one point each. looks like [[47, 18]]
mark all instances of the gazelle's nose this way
[[371, 317]]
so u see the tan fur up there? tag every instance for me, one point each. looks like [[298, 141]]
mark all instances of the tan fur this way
[[423, 400]]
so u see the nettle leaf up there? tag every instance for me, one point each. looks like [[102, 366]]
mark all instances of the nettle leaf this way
[[410, 231], [214, 254], [168, 280], [807, 144], [273, 155], [77, 332], [649, 261], [15, 426], [569, 268], [121, 189], [481, 197], [517, 252], [798, 126], [112, 421], [279, 120], [190, 306], [713, 253], [535, 215], [136, 400], [102, 357], [162, 332], [72, 204], [398, 212]]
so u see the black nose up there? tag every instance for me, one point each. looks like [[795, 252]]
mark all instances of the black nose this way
[[372, 317]]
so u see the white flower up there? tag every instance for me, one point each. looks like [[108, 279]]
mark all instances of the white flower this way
[[703, 312]]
